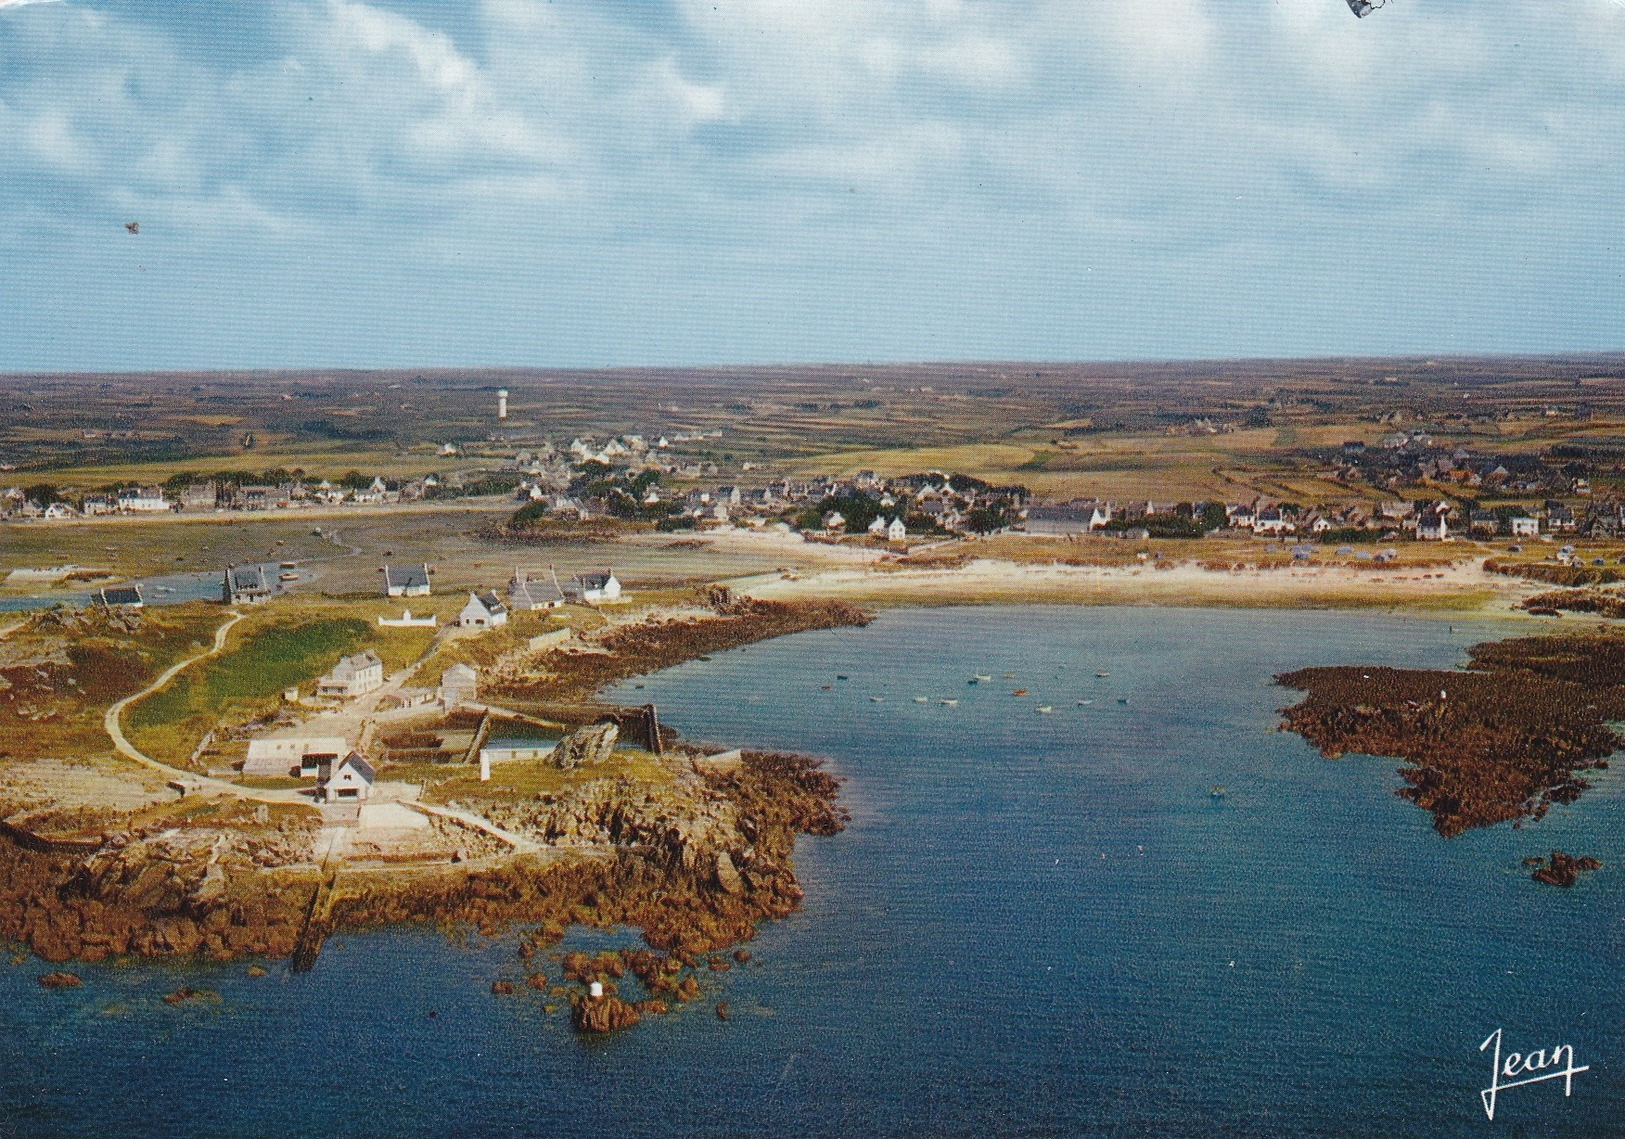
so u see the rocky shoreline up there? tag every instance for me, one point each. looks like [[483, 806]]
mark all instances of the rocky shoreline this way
[[693, 884]]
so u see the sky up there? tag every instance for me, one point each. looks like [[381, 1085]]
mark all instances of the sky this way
[[562, 183]]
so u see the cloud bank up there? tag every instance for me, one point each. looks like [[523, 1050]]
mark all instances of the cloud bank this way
[[571, 182]]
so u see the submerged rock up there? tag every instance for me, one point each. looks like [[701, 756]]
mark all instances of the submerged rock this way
[[1563, 870], [59, 981]]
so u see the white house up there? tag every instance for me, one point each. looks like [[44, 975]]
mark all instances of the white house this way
[[406, 581], [1432, 524], [483, 611], [877, 528], [896, 531], [59, 511], [458, 686], [348, 779], [1525, 527], [353, 676], [284, 755], [592, 588], [146, 500]]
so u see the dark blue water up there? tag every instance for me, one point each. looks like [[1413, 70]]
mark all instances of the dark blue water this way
[[1035, 925]]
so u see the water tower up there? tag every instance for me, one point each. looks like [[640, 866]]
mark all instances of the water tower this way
[[502, 403]]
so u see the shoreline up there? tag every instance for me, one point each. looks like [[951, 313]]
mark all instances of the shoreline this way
[[1458, 587]]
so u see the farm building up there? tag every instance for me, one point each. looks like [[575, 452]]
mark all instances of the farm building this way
[[458, 686], [246, 585], [592, 588], [406, 581], [285, 755], [120, 597], [525, 594]]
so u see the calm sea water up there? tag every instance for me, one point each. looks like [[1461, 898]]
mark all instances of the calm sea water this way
[[1035, 925]]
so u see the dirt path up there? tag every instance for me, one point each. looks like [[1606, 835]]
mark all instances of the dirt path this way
[[190, 780]]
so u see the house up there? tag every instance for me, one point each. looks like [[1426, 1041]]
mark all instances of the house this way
[[458, 686], [406, 581], [483, 611], [349, 779], [896, 531], [1061, 521], [877, 528], [1559, 519], [58, 512], [145, 500], [120, 597], [1432, 523], [525, 594], [284, 756], [246, 585], [1273, 520], [1525, 527], [199, 496], [1482, 522], [353, 676], [593, 588]]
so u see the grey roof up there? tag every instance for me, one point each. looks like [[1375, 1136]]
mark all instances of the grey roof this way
[[406, 577], [240, 578], [492, 603], [121, 595]]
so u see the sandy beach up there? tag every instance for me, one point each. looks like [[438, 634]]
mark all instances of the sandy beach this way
[[1462, 585]]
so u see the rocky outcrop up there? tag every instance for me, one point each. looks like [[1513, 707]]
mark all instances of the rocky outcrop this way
[[586, 747], [1563, 869], [607, 1013]]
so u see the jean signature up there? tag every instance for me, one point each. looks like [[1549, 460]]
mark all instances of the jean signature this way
[[1504, 1074]]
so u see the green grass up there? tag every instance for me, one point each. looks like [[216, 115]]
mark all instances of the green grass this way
[[244, 680]]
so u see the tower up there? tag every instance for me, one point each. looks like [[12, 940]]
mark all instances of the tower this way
[[502, 403]]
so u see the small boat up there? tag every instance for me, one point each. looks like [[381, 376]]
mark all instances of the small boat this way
[[1216, 792], [877, 699], [950, 703], [1007, 676], [1084, 703], [922, 700], [982, 676], [289, 576], [289, 565], [702, 658], [1102, 673], [1122, 699], [164, 588], [1044, 709], [838, 676], [1019, 692], [825, 687]]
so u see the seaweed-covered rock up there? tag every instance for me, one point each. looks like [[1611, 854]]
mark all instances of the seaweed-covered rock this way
[[607, 1013]]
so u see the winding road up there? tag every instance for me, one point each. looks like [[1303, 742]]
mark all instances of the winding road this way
[[188, 779]]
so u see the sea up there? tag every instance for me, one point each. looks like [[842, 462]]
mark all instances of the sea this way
[[1144, 912]]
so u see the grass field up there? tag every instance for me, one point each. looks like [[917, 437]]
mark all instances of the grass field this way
[[245, 680]]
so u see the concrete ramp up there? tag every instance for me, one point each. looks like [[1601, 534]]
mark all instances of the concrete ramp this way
[[391, 816]]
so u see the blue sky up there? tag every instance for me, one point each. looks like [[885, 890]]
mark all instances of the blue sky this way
[[580, 182]]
